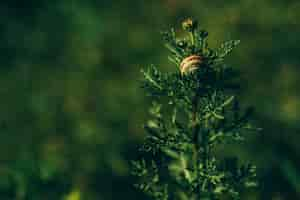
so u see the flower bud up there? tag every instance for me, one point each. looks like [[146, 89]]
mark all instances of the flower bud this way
[[189, 25], [181, 43]]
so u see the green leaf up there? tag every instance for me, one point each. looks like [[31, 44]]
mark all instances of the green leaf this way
[[228, 101], [227, 47], [149, 76], [171, 153], [217, 115]]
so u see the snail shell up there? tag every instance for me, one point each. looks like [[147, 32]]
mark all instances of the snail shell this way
[[190, 63]]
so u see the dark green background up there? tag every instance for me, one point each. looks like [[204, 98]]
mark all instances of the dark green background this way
[[71, 110]]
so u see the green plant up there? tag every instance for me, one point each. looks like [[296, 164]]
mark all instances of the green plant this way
[[194, 112]]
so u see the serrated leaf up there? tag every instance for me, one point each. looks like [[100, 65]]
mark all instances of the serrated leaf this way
[[148, 76], [227, 47]]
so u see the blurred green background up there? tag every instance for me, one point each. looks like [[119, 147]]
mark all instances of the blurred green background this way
[[71, 109]]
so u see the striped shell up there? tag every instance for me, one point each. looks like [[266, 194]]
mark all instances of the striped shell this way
[[190, 63]]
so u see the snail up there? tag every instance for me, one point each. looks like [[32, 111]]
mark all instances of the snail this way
[[190, 63]]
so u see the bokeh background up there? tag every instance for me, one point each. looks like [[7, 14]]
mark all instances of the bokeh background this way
[[71, 109]]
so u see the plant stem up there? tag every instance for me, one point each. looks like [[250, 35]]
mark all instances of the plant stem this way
[[192, 37], [196, 143]]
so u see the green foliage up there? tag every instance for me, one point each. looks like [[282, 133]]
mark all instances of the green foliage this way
[[68, 76], [192, 114]]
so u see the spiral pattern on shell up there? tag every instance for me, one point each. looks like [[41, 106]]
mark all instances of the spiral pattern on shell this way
[[190, 63]]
